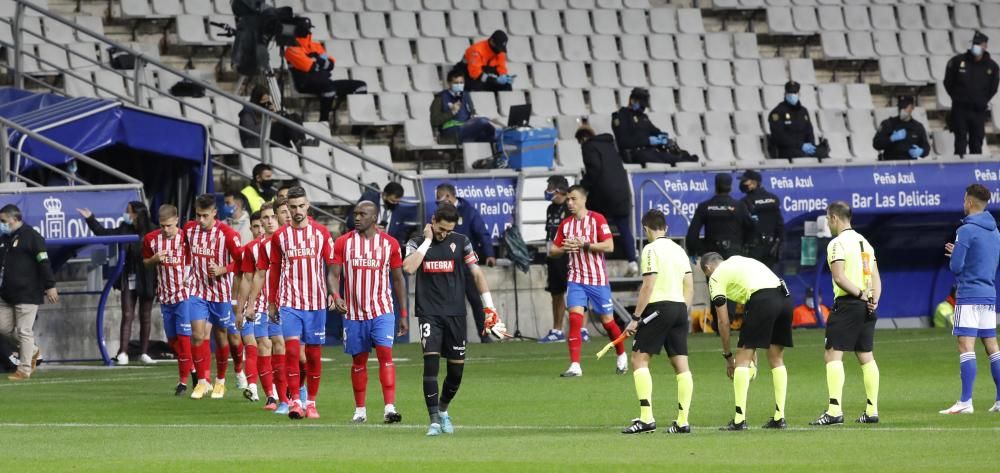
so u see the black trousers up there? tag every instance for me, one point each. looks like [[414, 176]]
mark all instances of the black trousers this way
[[328, 90], [969, 127]]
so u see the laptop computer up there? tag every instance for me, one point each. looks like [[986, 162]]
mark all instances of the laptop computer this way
[[519, 116]]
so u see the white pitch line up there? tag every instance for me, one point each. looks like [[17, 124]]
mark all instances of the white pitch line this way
[[71, 425], [137, 377]]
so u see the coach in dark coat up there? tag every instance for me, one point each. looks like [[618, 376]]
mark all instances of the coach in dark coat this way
[[607, 185]]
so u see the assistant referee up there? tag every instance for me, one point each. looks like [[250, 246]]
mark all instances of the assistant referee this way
[[439, 258], [857, 288], [767, 323], [667, 289]]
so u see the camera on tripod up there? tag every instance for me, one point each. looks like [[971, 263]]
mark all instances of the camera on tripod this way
[[257, 25]]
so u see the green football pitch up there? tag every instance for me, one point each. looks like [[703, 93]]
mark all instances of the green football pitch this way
[[513, 413]]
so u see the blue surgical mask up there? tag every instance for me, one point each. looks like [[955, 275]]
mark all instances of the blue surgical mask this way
[[457, 89], [549, 195], [977, 50], [637, 107], [4, 228], [127, 218], [792, 99]]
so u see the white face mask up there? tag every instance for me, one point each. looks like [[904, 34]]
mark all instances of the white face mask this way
[[977, 50], [457, 88], [904, 115]]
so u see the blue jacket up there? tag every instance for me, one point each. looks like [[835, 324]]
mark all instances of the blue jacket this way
[[975, 259], [471, 224]]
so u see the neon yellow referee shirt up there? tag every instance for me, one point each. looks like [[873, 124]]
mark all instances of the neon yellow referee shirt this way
[[738, 277], [669, 262], [848, 247]]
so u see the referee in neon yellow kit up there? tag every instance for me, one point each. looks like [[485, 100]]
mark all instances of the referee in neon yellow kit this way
[[667, 289], [767, 323]]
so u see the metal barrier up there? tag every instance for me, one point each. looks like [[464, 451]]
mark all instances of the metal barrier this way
[[139, 91]]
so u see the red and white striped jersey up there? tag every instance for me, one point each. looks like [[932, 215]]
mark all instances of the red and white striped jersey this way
[[256, 257], [585, 267], [298, 266], [367, 263], [219, 245], [173, 270]]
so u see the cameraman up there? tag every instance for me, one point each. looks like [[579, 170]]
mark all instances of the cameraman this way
[[310, 67], [250, 121]]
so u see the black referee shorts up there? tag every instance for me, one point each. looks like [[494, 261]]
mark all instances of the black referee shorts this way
[[767, 320], [558, 269], [849, 327], [669, 329], [444, 335]]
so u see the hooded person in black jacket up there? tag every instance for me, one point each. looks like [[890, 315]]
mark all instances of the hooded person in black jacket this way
[[971, 79], [901, 137], [138, 282], [25, 275], [607, 186]]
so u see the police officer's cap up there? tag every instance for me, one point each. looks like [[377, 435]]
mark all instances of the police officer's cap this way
[[980, 38], [791, 87], [499, 39], [639, 93], [750, 175], [723, 181]]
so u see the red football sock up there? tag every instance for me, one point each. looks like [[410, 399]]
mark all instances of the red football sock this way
[[182, 346], [314, 368], [251, 367], [613, 333], [266, 376], [386, 373], [221, 361], [303, 371], [291, 360], [281, 376], [573, 340], [202, 355], [359, 378], [237, 352]]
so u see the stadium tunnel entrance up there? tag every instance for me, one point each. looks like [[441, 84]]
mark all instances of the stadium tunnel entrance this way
[[169, 155]]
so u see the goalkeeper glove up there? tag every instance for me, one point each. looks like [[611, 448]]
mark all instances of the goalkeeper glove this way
[[493, 325]]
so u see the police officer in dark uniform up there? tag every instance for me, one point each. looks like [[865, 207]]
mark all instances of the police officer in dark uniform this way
[[791, 130], [764, 244], [726, 220], [901, 137], [639, 140], [971, 80]]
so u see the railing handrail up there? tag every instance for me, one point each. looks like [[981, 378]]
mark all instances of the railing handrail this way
[[143, 59]]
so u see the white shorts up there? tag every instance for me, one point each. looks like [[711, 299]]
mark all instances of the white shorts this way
[[975, 320]]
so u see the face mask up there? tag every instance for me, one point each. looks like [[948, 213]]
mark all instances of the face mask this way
[[637, 107], [792, 99], [391, 206], [127, 218], [977, 50], [744, 188], [457, 88], [549, 196], [904, 115], [4, 228], [72, 167]]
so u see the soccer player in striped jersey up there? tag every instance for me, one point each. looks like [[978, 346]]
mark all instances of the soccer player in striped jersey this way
[[300, 253], [246, 314], [167, 249], [215, 253], [368, 256], [586, 237], [253, 301]]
